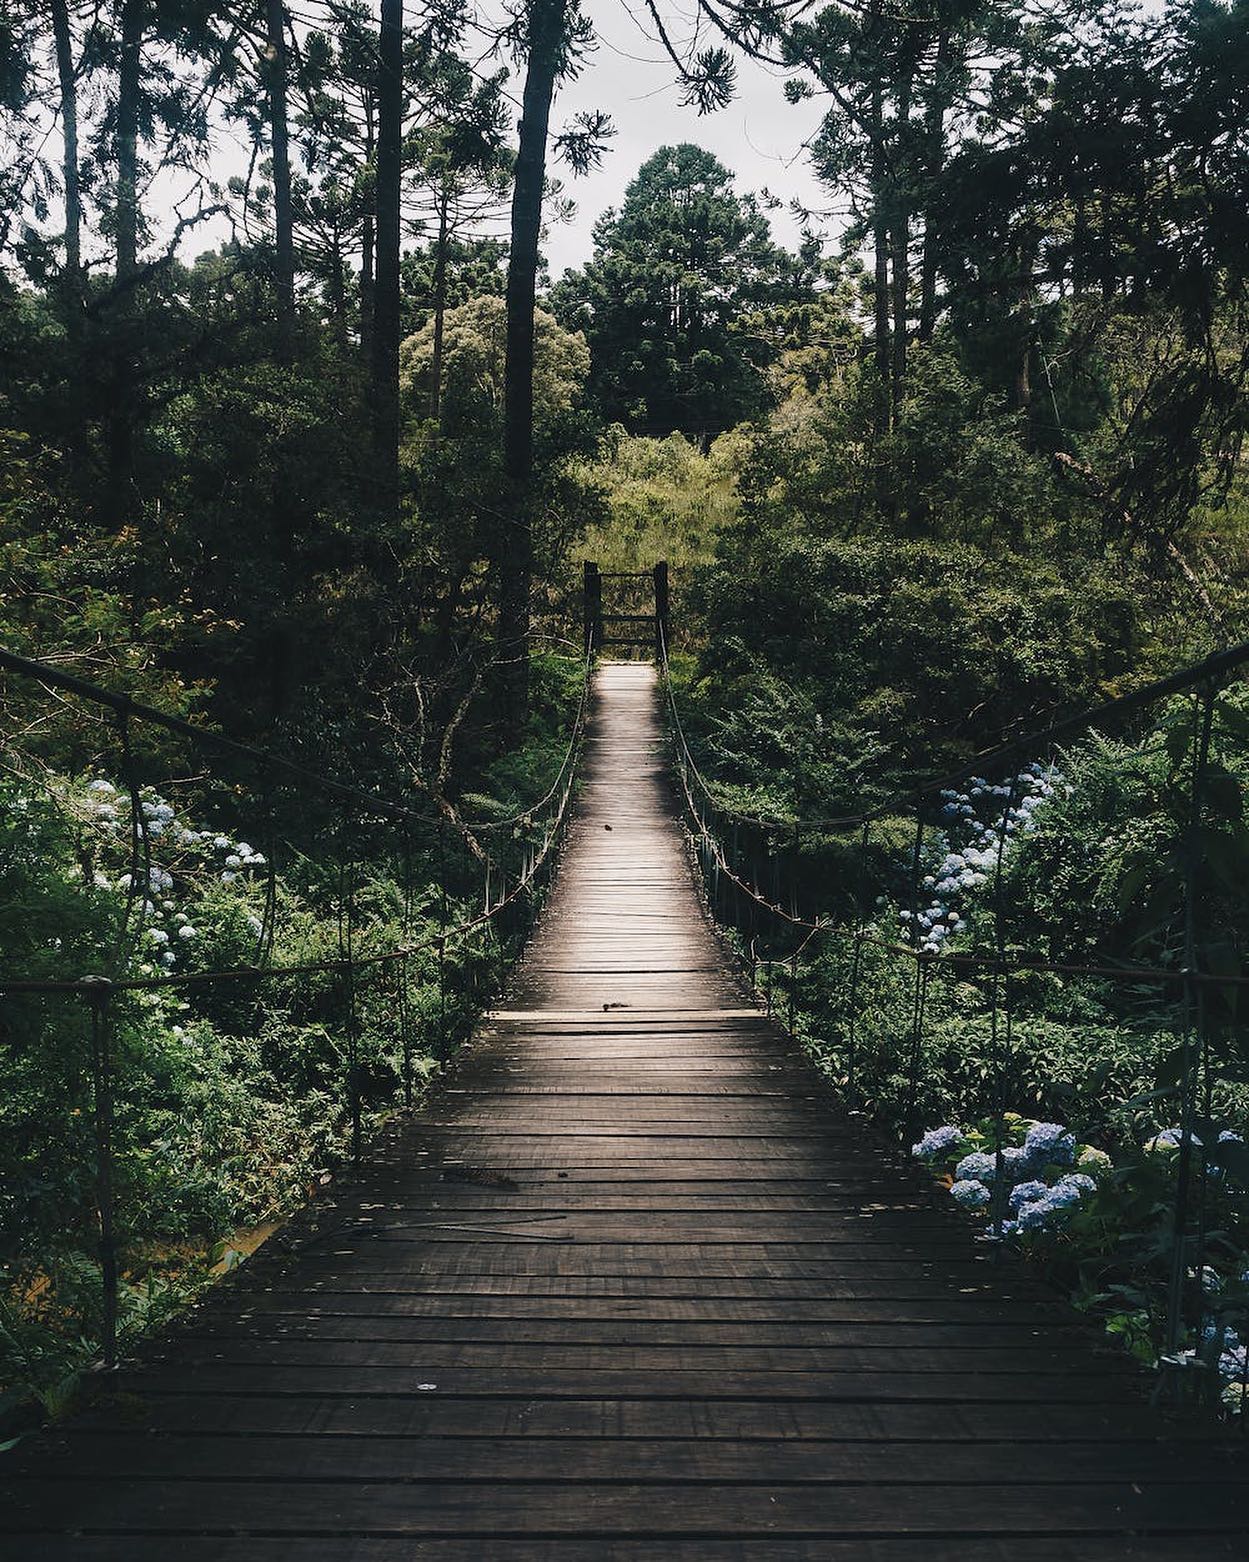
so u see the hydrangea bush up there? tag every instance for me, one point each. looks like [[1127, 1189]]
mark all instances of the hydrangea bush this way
[[230, 1097], [975, 824], [1068, 1204]]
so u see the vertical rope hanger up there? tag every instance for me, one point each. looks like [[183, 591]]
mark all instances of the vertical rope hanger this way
[[268, 918], [346, 954], [856, 964], [102, 1105], [139, 890], [1193, 1042], [1000, 1031], [919, 998], [401, 967]]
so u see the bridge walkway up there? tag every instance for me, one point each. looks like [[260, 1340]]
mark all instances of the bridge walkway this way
[[630, 1287]]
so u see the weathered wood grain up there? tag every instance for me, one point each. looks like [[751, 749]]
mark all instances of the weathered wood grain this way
[[632, 1290]]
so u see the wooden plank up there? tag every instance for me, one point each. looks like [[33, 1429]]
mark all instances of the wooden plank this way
[[918, 1423], [706, 1317], [593, 1508], [130, 1456], [775, 1333], [508, 1306], [1076, 1384], [723, 1548]]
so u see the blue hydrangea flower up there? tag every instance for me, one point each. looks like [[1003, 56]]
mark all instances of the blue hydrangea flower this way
[[1050, 1144], [937, 1141], [970, 1193], [976, 1167], [1081, 1182], [1035, 1216], [981, 1165], [1063, 1194], [1027, 1193]]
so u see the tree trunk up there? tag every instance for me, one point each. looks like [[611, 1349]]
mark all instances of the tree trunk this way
[[1025, 294], [440, 302], [880, 255], [385, 363], [338, 291], [126, 214], [122, 414], [900, 240], [934, 138], [367, 247], [69, 130], [900, 266], [283, 213], [547, 20]]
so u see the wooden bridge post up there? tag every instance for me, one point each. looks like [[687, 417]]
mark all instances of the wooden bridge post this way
[[592, 606], [661, 610]]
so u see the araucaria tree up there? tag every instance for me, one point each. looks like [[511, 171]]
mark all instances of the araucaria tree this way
[[677, 274]]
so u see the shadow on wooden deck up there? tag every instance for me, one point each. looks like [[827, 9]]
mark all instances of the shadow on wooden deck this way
[[629, 1288]]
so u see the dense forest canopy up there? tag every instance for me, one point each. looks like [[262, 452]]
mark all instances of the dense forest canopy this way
[[1019, 323], [966, 454]]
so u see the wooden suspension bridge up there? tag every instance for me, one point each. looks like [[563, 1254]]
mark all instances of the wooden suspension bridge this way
[[631, 1286]]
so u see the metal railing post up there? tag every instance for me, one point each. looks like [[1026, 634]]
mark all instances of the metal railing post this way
[[592, 606], [99, 990]]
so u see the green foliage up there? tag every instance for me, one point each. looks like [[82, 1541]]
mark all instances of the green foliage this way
[[454, 463], [1108, 869], [664, 499], [230, 1098], [663, 304], [891, 659], [474, 353]]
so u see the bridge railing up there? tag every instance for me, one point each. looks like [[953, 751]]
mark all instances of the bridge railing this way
[[349, 906], [855, 929]]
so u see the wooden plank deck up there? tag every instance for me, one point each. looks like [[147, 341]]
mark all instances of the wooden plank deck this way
[[630, 1288]]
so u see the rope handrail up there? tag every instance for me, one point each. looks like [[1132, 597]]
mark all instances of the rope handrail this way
[[1012, 962], [504, 888], [91, 984], [1205, 672], [127, 706], [525, 815], [888, 1064]]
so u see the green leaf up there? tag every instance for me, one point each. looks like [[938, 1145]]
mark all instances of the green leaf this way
[[1235, 720], [1153, 1095], [1170, 1070], [1233, 1158], [1221, 959], [1179, 741], [1222, 796], [1134, 880]]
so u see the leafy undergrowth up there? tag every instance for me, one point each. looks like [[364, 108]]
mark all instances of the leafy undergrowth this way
[[1102, 1225], [231, 1097], [1098, 867]]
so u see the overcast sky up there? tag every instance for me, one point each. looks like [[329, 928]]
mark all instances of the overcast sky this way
[[759, 136]]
